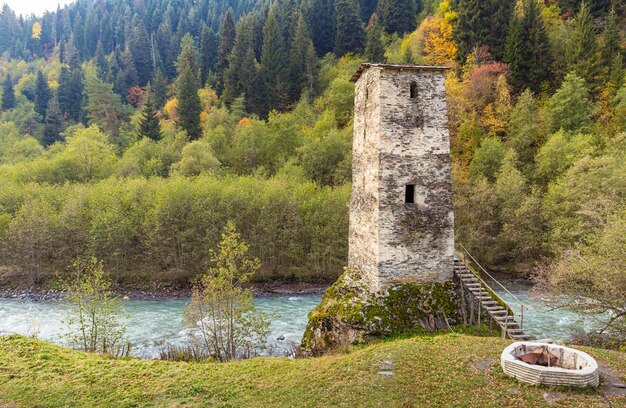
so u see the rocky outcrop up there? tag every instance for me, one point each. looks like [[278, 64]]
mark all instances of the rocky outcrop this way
[[351, 313]]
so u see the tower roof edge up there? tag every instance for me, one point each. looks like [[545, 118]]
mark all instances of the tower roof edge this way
[[400, 67]]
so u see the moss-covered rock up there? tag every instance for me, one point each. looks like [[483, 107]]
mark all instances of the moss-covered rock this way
[[350, 313]]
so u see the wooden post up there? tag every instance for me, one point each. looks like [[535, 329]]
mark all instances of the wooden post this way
[[464, 304], [478, 311], [471, 319]]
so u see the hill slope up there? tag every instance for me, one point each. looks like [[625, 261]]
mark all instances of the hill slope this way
[[427, 370]]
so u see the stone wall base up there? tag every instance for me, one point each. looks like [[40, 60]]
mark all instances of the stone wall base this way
[[350, 313]]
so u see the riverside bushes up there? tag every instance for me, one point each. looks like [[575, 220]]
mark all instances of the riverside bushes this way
[[161, 229]]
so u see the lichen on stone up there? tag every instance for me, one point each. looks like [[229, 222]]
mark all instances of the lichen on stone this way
[[350, 313]]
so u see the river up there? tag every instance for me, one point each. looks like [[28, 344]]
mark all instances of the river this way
[[155, 323]]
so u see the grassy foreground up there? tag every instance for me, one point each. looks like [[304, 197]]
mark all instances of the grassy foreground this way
[[427, 371]]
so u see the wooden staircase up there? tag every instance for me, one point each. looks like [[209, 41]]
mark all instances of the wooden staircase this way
[[496, 309]]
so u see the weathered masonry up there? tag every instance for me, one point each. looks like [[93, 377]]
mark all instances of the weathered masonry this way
[[401, 216], [401, 255]]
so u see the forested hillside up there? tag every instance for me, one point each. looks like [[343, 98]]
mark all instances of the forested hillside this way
[[133, 130]]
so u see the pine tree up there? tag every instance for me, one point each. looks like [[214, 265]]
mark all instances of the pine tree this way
[[513, 51], [102, 66], [350, 34], [187, 86], [481, 22], [274, 61], [234, 76], [374, 48], [398, 16], [302, 60], [128, 70], [227, 39], [535, 53], [612, 40], [71, 91], [208, 51], [105, 109], [470, 30], [255, 101], [582, 52], [320, 17], [42, 94], [499, 13], [158, 86], [8, 94], [63, 93], [140, 49], [149, 125], [55, 124]]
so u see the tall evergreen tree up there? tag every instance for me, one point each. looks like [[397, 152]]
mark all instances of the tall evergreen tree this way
[[241, 78], [227, 39], [55, 124], [398, 16], [149, 125], [374, 48], [187, 86], [350, 34], [582, 51], [481, 22], [158, 87], [612, 40], [71, 91], [141, 52], [105, 109], [320, 17], [302, 60], [8, 94], [234, 76], [274, 61], [513, 51], [208, 52], [528, 51], [42, 94], [102, 66]]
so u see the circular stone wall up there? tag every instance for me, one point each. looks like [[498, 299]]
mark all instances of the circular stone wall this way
[[573, 367]]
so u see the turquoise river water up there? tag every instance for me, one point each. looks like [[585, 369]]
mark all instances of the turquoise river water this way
[[155, 323]]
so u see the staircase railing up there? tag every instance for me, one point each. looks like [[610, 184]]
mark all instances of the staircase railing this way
[[484, 271]]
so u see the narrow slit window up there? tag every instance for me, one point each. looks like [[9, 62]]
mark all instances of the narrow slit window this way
[[413, 90], [409, 196]]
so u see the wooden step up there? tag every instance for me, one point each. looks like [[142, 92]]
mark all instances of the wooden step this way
[[520, 336], [492, 308], [470, 282], [497, 312]]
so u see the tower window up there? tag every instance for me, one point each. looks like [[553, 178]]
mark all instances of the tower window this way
[[413, 90], [409, 195]]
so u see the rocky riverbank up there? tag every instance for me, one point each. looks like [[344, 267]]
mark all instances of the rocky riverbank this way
[[260, 289]]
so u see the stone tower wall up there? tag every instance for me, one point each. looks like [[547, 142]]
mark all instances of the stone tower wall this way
[[364, 206], [400, 141]]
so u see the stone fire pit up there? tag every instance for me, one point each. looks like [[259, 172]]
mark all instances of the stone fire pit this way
[[567, 366]]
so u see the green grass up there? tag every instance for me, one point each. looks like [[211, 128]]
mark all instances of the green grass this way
[[427, 371]]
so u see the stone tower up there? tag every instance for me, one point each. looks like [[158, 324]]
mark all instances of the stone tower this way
[[401, 216]]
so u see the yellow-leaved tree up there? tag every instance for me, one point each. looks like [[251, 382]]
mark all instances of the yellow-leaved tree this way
[[435, 36], [36, 33]]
